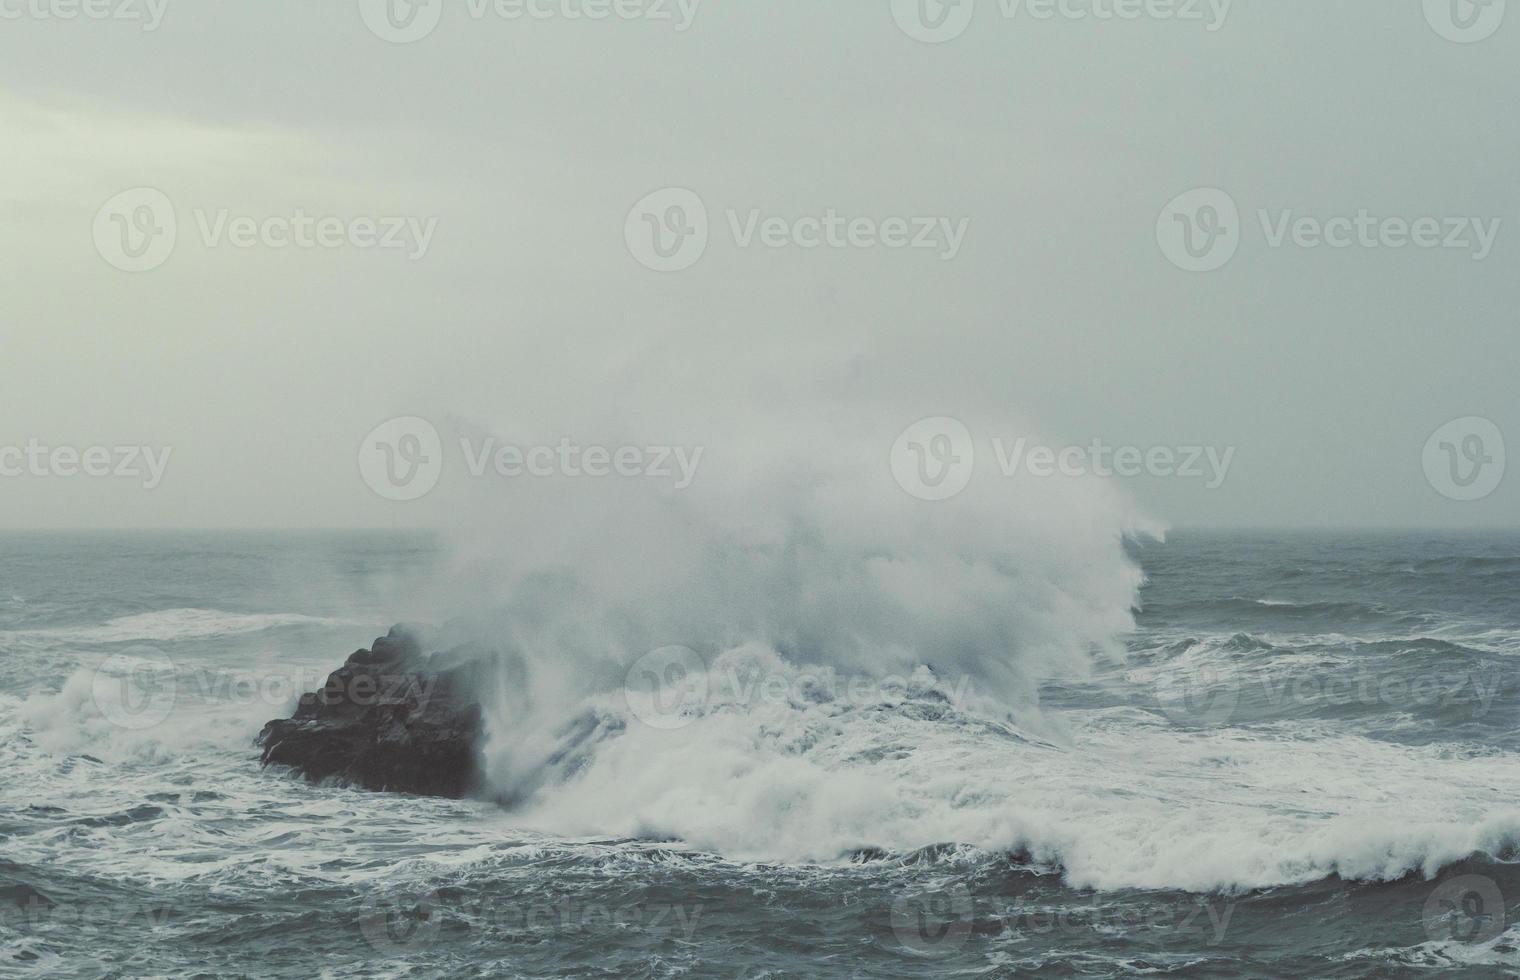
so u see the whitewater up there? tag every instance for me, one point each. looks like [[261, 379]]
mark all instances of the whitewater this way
[[1192, 750]]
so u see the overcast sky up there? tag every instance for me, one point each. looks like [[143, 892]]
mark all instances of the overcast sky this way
[[1036, 158]]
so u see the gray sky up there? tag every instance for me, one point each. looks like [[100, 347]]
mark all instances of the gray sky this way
[[1059, 318]]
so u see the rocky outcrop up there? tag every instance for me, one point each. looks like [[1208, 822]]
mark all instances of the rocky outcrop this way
[[392, 718]]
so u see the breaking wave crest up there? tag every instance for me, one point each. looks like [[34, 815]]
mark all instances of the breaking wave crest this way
[[805, 775], [167, 625]]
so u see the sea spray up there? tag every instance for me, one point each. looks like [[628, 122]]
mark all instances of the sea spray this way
[[801, 545]]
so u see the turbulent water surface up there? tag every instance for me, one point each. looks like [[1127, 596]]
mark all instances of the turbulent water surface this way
[[1303, 761]]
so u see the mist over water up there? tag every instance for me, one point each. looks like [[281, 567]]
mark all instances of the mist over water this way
[[793, 550]]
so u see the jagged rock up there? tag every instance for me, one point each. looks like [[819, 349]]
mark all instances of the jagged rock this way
[[392, 718]]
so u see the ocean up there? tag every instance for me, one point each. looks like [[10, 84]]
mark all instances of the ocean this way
[[1298, 757]]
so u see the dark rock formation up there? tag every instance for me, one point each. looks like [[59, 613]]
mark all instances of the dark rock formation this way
[[391, 718]]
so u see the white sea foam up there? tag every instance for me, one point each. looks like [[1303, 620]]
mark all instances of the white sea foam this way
[[806, 555], [77, 720], [165, 625], [1129, 802], [807, 545], [1126, 800], [1501, 954]]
